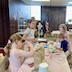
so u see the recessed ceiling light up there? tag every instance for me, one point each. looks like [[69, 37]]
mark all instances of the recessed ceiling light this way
[[41, 0], [70, 2]]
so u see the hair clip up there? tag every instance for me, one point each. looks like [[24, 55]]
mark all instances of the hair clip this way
[[9, 41]]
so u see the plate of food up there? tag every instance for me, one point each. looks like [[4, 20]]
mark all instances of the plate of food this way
[[42, 40]]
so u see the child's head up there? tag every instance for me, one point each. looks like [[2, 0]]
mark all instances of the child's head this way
[[32, 24], [62, 28], [13, 38], [61, 37]]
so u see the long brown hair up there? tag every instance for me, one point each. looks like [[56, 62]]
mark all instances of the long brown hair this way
[[12, 39]]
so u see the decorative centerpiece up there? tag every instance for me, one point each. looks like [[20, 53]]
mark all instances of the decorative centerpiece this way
[[39, 32]]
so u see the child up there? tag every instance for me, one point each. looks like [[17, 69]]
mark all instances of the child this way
[[64, 44], [63, 30], [29, 32], [14, 52]]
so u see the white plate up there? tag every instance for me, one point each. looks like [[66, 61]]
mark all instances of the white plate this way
[[42, 39]]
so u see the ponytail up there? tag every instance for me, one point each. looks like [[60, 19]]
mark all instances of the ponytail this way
[[8, 47], [12, 39]]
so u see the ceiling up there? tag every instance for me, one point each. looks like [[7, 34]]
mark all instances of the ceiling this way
[[51, 3]]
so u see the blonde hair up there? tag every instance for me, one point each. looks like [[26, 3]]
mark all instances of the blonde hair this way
[[61, 36], [30, 21], [12, 38], [63, 26]]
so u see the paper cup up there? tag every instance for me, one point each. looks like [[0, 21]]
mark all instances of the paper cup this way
[[43, 67]]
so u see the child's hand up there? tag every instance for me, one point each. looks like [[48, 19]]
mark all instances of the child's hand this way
[[51, 42], [34, 40], [57, 40], [61, 49], [30, 45]]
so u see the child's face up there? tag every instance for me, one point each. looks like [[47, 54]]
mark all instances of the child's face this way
[[61, 30], [20, 44], [33, 24], [60, 39]]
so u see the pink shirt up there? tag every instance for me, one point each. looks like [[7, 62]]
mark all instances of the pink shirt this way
[[15, 61]]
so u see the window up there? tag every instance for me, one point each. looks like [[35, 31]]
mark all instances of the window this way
[[69, 14], [36, 12]]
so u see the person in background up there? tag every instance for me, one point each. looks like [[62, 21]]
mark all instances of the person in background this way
[[47, 28], [29, 32], [63, 30], [32, 18], [64, 43], [15, 54]]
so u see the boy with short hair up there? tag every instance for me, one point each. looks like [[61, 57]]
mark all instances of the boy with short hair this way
[[64, 43]]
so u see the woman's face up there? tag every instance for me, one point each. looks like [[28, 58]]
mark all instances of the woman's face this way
[[33, 24], [61, 30]]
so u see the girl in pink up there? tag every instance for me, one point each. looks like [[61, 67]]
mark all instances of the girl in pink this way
[[63, 30], [15, 54]]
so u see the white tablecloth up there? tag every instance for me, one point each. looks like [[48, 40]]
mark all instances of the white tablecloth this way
[[55, 66], [58, 32]]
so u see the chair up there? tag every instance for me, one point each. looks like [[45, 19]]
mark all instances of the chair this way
[[4, 65]]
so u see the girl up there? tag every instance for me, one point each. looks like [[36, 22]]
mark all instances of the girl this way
[[29, 32], [63, 30], [15, 54]]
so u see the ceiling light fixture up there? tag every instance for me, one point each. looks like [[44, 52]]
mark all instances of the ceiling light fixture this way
[[41, 0], [70, 2]]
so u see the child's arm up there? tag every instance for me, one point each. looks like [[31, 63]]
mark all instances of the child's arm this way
[[61, 49], [68, 38], [25, 53], [25, 37], [69, 47], [22, 53], [29, 39]]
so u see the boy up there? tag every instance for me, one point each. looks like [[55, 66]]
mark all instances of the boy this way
[[64, 43]]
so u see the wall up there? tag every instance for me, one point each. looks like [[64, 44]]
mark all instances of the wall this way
[[4, 22], [55, 16], [19, 9]]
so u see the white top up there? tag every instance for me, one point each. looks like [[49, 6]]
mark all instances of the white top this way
[[29, 32]]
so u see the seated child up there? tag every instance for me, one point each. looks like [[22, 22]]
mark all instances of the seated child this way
[[15, 54], [64, 43]]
